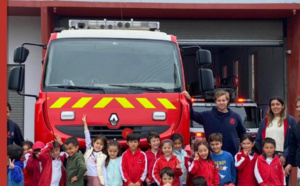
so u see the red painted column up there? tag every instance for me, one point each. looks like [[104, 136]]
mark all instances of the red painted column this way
[[47, 23], [293, 70], [293, 61]]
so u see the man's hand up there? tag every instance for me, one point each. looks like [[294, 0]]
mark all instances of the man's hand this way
[[187, 95], [74, 179], [131, 184], [288, 169]]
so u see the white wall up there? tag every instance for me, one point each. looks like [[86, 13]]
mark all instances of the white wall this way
[[23, 29]]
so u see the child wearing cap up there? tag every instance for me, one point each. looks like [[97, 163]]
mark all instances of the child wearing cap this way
[[33, 167]]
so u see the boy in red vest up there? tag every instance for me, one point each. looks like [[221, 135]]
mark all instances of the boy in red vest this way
[[268, 169], [133, 162]]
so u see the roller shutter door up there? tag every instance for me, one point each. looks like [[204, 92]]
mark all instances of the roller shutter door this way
[[225, 32], [17, 104]]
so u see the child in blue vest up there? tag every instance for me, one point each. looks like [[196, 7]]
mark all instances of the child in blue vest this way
[[15, 166], [112, 172]]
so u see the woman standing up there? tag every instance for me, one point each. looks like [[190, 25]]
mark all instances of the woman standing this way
[[294, 143], [277, 125]]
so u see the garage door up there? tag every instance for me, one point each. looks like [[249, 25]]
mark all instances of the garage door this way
[[17, 103], [225, 32]]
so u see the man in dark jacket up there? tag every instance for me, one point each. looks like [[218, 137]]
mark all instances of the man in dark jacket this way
[[293, 159], [14, 133], [220, 120]]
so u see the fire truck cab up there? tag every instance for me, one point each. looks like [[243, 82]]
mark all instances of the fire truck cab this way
[[125, 75]]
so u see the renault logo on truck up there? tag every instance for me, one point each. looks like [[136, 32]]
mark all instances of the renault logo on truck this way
[[113, 119]]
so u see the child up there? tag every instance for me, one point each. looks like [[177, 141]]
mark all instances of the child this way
[[27, 151], [53, 172], [203, 165], [167, 176], [153, 153], [27, 147], [180, 154], [75, 163], [94, 156], [15, 166], [223, 159], [133, 162], [199, 181], [112, 164], [33, 167], [268, 169], [167, 160], [245, 161]]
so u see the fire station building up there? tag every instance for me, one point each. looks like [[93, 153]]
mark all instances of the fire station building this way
[[257, 41]]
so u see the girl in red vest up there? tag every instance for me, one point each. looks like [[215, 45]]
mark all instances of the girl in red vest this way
[[167, 160], [245, 161], [202, 165], [33, 167]]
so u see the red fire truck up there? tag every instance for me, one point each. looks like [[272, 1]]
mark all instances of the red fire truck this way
[[125, 75]]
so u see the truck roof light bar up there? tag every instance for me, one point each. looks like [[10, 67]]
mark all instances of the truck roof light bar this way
[[113, 24]]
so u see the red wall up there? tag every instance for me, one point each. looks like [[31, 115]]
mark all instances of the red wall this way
[[293, 61]]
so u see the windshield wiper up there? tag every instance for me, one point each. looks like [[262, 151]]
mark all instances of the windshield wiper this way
[[140, 87], [79, 87]]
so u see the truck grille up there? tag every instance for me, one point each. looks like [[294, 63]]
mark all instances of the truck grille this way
[[77, 131]]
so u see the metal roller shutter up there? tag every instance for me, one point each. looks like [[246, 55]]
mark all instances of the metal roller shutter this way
[[17, 104], [225, 32]]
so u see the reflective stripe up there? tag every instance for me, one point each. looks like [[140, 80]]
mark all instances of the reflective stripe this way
[[81, 102], [60, 102], [124, 102], [103, 102], [146, 103], [166, 103]]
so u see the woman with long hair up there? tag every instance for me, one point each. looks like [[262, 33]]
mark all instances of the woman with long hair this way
[[277, 125]]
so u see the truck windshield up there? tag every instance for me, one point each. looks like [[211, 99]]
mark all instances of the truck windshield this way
[[113, 66], [249, 115]]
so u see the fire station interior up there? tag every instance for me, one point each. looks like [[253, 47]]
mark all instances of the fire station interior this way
[[245, 65]]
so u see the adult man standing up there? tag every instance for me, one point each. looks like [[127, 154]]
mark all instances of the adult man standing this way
[[220, 119], [14, 133]]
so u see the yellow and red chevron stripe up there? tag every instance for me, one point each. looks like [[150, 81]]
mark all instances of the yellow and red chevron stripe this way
[[103, 102]]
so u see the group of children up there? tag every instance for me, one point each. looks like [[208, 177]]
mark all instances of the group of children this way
[[164, 163]]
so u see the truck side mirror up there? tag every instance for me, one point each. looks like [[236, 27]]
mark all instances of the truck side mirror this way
[[206, 80], [20, 54], [16, 78], [203, 57]]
